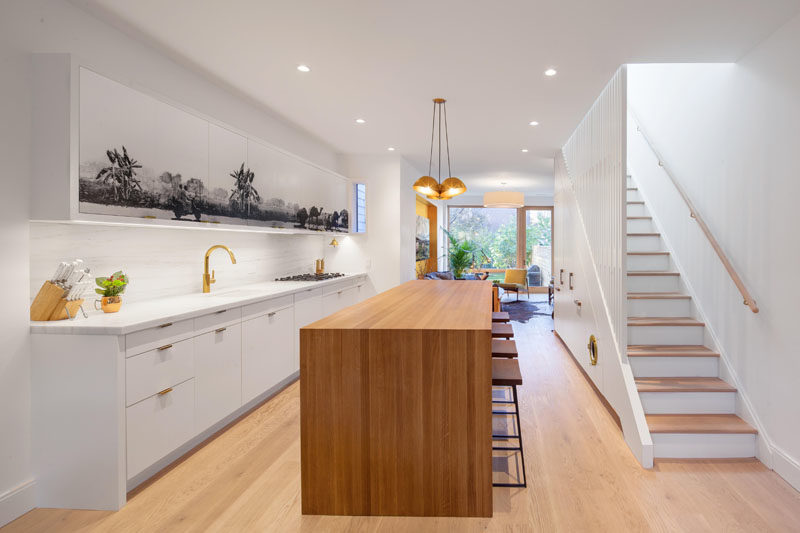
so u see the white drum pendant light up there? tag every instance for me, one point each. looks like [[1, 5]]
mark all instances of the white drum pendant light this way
[[503, 199]]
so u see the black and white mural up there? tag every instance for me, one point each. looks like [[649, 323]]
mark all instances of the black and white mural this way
[[143, 158]]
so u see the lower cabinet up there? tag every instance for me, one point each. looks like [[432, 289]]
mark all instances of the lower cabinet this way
[[159, 424], [267, 351], [218, 375], [308, 308]]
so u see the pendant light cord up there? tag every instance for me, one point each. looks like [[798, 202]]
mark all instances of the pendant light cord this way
[[433, 128], [447, 140], [439, 168]]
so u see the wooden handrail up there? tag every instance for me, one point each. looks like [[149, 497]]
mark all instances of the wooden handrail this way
[[748, 299]]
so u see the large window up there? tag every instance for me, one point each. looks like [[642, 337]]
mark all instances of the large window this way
[[507, 238]]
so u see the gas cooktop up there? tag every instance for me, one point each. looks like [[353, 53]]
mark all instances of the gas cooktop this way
[[311, 277]]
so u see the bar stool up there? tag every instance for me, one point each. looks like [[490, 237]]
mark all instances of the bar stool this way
[[506, 373], [500, 316], [502, 331], [504, 348]]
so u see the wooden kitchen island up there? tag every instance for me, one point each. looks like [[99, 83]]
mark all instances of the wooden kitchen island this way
[[395, 404]]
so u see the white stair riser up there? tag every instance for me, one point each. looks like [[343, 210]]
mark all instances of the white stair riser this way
[[665, 403], [634, 196], [703, 445], [674, 367], [648, 262], [662, 307], [637, 210], [670, 335], [641, 225], [654, 284], [649, 243]]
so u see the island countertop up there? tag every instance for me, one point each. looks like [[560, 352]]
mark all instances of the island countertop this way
[[396, 403]]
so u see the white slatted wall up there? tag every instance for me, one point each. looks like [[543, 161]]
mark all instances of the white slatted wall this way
[[595, 165]]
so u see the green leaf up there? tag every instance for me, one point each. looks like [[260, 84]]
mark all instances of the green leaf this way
[[100, 281], [101, 292]]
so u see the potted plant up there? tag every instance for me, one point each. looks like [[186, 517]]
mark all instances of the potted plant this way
[[462, 255], [111, 289]]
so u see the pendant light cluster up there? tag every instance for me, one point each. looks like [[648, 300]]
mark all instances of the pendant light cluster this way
[[433, 188]]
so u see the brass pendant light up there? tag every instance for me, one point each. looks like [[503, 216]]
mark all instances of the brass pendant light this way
[[431, 187]]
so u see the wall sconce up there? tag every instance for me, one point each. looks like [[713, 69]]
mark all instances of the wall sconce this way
[[334, 242]]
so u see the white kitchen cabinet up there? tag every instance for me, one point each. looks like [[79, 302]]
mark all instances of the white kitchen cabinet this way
[[218, 374], [159, 424], [308, 308], [267, 351]]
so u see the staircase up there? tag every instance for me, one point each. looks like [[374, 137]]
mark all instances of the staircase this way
[[689, 409]]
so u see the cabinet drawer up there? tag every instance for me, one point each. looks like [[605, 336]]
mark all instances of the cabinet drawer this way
[[220, 319], [267, 306], [158, 369], [307, 294], [147, 339], [158, 425], [337, 287]]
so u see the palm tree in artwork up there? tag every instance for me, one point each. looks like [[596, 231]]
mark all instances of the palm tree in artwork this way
[[121, 173], [243, 193]]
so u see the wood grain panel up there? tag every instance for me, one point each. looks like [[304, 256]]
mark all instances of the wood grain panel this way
[[397, 421]]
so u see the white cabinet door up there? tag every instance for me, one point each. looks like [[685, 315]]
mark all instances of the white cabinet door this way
[[218, 374], [267, 351], [307, 309], [331, 303]]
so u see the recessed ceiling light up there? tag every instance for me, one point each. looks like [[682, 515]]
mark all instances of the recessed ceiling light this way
[[360, 121], [533, 123], [391, 148], [550, 72], [524, 150], [303, 68]]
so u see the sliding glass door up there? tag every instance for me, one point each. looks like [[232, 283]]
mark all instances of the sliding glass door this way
[[507, 238]]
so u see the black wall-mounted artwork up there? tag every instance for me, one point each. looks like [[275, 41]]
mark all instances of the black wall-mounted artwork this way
[[143, 158]]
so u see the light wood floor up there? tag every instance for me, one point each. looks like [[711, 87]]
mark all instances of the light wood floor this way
[[581, 476]]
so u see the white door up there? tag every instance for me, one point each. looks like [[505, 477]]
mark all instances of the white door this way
[[267, 352], [218, 374], [308, 308]]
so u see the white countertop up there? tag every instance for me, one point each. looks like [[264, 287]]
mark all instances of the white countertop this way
[[145, 314]]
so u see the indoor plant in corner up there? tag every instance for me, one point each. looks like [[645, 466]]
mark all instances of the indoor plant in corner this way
[[111, 289], [462, 255]]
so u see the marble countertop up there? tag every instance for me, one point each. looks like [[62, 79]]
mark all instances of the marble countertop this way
[[148, 313]]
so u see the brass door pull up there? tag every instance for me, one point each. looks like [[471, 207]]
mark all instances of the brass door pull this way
[[165, 391], [571, 279], [166, 347], [168, 324], [578, 303], [220, 330]]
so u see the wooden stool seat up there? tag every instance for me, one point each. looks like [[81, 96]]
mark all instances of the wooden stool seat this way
[[506, 373], [503, 331], [500, 316], [504, 348]]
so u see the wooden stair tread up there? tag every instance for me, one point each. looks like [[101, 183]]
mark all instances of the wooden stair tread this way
[[668, 350], [657, 296], [652, 273], [664, 321], [506, 372], [504, 348], [698, 424], [648, 253], [683, 384], [646, 234]]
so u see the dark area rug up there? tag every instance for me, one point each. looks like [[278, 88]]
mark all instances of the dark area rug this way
[[524, 310]]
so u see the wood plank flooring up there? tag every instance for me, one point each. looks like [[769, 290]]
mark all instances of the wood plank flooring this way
[[581, 476]]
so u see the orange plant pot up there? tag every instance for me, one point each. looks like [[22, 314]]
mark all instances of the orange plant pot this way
[[110, 304]]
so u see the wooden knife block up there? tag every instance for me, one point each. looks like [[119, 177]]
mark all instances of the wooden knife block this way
[[50, 304]]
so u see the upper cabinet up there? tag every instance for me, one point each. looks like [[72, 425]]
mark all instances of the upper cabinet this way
[[121, 155]]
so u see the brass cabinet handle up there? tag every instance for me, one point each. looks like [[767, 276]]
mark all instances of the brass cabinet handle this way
[[272, 313], [578, 303], [165, 391], [571, 284], [166, 347], [561, 276], [220, 312], [168, 324], [338, 292], [220, 330]]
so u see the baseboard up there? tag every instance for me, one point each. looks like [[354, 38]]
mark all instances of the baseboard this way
[[787, 467], [17, 501]]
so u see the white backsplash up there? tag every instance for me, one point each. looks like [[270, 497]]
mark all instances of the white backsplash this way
[[164, 261]]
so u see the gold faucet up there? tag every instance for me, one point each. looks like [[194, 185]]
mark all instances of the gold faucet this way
[[208, 279]]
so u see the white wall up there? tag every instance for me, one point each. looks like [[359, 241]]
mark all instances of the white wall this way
[[387, 251], [731, 136], [16, 493]]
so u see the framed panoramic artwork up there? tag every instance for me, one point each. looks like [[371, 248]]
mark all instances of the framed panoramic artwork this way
[[144, 158]]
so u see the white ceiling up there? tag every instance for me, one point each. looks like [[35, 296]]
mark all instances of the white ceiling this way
[[385, 60]]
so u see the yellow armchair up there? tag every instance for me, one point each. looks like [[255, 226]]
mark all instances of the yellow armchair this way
[[515, 280]]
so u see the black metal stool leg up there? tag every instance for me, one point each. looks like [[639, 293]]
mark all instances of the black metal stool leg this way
[[518, 436]]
